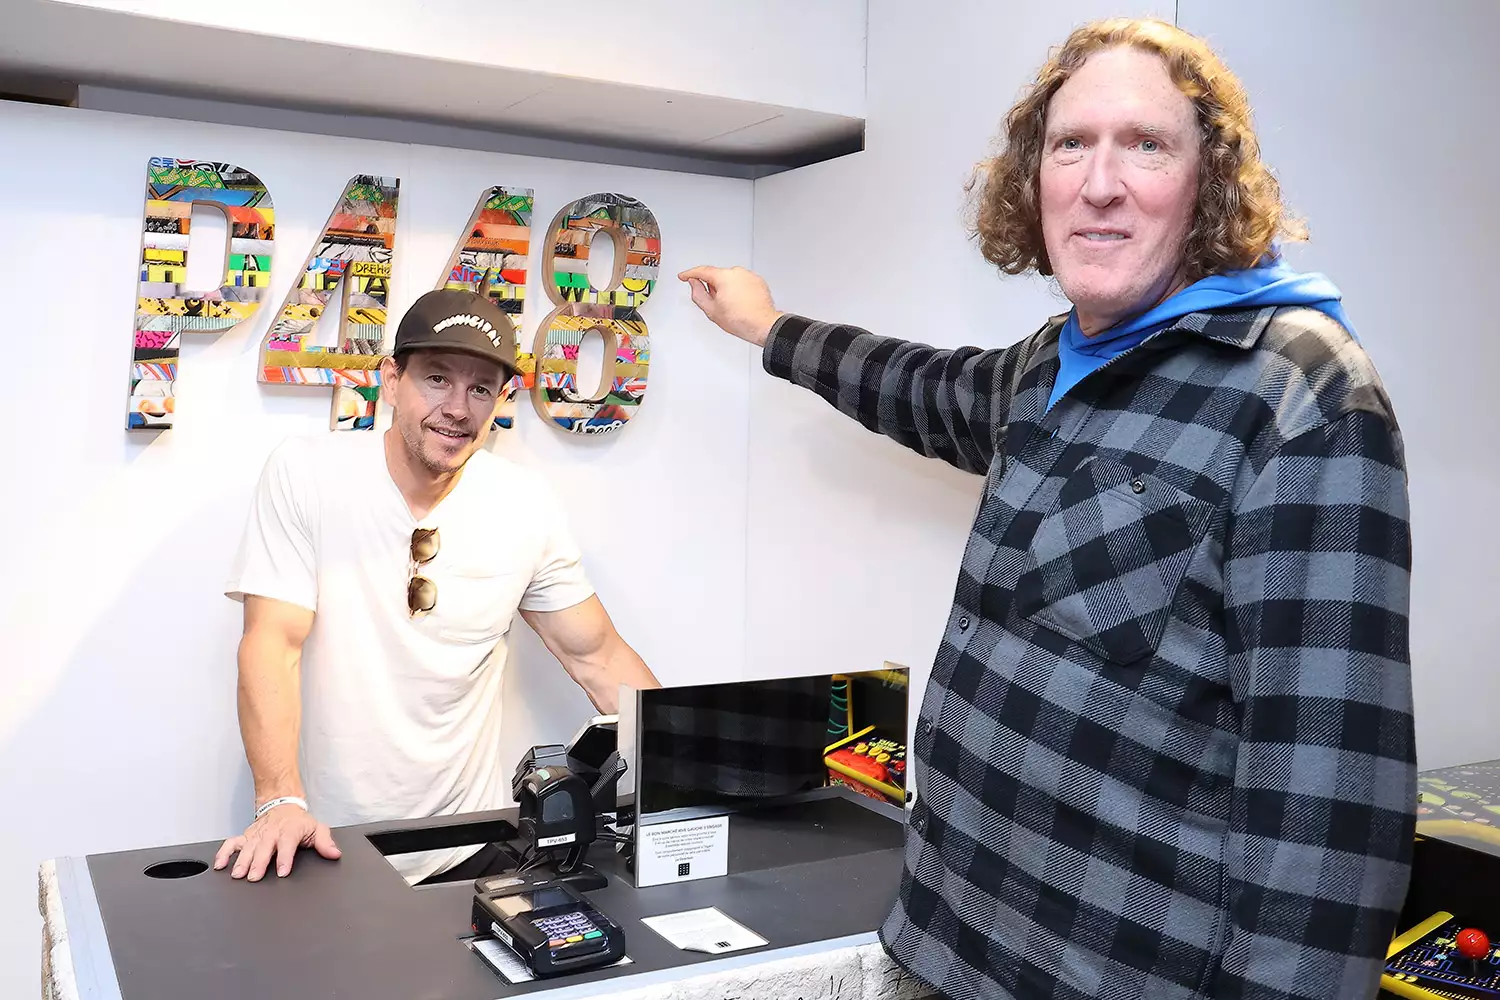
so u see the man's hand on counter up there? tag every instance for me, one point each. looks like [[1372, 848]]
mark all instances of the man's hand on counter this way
[[277, 835]]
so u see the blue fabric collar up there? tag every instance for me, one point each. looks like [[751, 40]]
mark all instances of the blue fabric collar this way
[[1273, 284]]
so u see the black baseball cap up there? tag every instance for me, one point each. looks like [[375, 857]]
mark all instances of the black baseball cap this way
[[458, 320]]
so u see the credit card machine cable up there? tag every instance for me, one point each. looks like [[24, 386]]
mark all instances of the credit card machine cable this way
[[553, 928]]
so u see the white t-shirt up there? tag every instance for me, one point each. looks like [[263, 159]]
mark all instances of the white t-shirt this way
[[401, 716]]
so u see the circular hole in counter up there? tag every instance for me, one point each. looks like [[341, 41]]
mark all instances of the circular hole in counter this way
[[176, 869]]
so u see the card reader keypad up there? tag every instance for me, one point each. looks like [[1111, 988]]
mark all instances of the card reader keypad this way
[[568, 928]]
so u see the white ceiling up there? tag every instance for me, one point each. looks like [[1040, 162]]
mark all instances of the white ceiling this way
[[82, 43]]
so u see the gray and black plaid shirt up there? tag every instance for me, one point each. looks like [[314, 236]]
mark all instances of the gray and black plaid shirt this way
[[1167, 748]]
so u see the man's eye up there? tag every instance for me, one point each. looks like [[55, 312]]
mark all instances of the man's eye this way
[[1071, 144], [1150, 145]]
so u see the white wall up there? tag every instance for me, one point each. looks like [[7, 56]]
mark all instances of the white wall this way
[[1374, 116], [1377, 121], [117, 725]]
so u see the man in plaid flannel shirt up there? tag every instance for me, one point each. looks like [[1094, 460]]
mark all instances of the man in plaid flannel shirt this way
[[1167, 747]]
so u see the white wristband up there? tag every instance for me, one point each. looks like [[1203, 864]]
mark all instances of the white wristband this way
[[285, 800]]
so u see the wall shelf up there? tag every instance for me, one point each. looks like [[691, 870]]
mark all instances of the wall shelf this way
[[650, 91]]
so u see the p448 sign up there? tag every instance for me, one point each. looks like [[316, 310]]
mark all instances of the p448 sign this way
[[349, 269]]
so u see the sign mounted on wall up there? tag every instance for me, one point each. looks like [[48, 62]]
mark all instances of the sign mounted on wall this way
[[349, 267], [165, 307]]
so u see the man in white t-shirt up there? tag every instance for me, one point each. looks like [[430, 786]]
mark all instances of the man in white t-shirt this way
[[380, 574]]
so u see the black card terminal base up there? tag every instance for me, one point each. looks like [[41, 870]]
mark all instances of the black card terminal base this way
[[585, 879]]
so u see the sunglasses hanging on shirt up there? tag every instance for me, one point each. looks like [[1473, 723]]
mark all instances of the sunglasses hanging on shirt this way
[[421, 593]]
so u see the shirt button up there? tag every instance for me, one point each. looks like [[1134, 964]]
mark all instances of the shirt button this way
[[919, 817], [963, 624], [1138, 486], [924, 726]]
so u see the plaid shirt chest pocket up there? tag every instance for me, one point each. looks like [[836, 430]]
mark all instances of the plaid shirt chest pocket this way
[[1104, 566]]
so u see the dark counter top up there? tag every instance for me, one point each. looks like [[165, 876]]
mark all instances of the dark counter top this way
[[819, 870]]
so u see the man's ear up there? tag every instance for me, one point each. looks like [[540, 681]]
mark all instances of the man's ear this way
[[389, 372]]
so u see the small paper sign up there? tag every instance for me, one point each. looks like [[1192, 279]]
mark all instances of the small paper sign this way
[[707, 930], [681, 852]]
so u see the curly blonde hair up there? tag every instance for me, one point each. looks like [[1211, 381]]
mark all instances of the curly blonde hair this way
[[1239, 213]]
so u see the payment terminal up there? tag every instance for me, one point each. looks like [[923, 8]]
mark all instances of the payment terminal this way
[[552, 928]]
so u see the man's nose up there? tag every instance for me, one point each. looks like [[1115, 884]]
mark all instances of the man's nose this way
[[454, 405], [1104, 183]]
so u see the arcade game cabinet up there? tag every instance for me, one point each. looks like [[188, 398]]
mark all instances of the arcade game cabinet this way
[[1452, 907], [866, 750]]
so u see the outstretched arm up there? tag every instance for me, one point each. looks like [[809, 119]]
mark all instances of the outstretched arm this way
[[585, 642], [947, 404]]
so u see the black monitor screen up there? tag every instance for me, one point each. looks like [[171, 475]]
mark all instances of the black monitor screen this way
[[752, 741]]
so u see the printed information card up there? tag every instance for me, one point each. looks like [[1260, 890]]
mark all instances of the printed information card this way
[[706, 930], [681, 852]]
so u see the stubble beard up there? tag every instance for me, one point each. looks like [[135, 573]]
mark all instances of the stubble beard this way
[[416, 446]]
